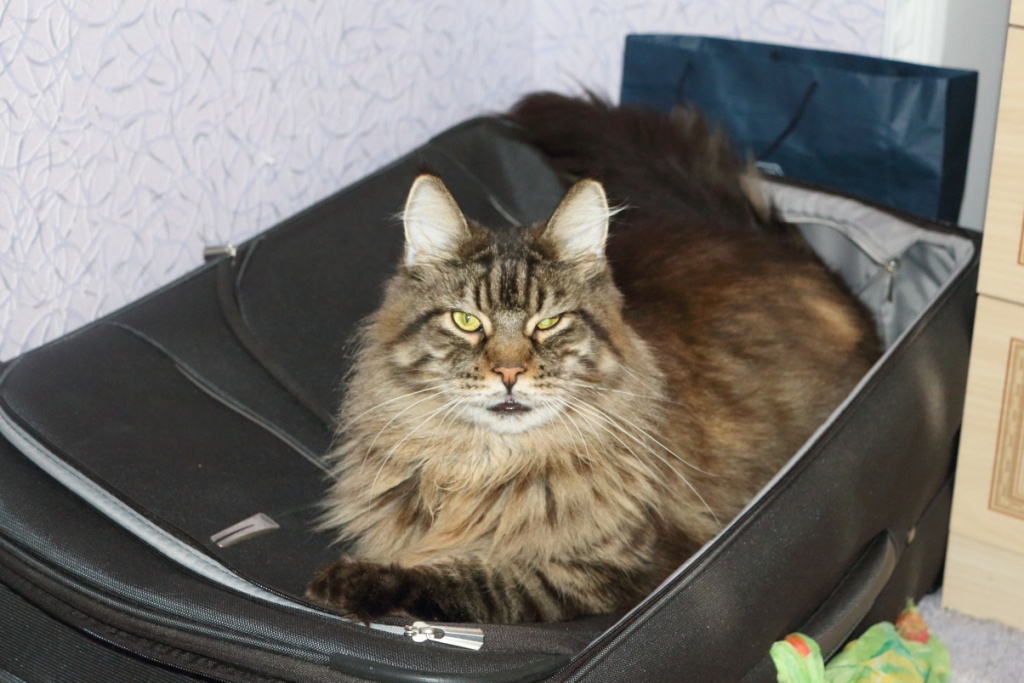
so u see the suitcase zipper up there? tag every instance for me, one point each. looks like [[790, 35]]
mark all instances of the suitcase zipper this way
[[891, 267], [887, 268], [872, 251], [466, 637], [169, 546]]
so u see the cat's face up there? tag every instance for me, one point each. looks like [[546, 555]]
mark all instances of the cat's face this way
[[507, 330]]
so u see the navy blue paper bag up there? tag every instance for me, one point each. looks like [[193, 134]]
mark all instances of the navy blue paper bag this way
[[893, 132]]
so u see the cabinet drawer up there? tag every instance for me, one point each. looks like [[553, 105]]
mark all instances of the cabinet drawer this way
[[1002, 255], [985, 559]]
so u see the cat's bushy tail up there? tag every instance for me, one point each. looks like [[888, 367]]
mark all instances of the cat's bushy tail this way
[[648, 162]]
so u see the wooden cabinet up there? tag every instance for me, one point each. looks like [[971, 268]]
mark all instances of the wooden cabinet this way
[[1002, 251], [985, 563]]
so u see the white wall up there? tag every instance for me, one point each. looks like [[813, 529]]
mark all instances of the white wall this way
[[580, 41], [134, 132], [966, 34]]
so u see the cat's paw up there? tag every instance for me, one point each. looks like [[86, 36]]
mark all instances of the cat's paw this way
[[357, 589]]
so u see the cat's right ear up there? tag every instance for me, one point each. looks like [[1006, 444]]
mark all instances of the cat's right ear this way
[[434, 224]]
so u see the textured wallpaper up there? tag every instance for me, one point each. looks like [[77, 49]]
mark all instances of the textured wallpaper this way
[[581, 42], [132, 133]]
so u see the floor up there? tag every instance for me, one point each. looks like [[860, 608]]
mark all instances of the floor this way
[[980, 651]]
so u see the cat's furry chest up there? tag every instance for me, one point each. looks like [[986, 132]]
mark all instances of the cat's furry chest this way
[[515, 496]]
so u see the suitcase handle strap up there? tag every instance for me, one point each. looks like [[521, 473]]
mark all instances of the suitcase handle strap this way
[[837, 617], [227, 293], [834, 621]]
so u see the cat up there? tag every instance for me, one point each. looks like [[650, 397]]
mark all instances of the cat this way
[[543, 423]]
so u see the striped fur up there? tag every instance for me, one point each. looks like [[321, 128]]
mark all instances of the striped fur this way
[[515, 473]]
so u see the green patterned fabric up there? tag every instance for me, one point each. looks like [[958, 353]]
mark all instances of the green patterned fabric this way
[[902, 653]]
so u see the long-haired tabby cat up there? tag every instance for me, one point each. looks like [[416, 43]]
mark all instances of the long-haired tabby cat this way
[[544, 422]]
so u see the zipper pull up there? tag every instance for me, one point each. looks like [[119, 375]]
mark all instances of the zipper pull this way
[[215, 251], [460, 636], [891, 267]]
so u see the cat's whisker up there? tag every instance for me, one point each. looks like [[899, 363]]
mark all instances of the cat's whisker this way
[[572, 439], [566, 419], [350, 420], [591, 419], [394, 448], [431, 415], [462, 411], [397, 415], [646, 434], [625, 368], [622, 391], [600, 414], [465, 404], [373, 442], [616, 422], [460, 402]]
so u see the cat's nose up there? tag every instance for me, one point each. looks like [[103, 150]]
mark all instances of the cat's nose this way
[[508, 375]]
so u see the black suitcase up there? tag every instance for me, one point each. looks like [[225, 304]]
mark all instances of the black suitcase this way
[[160, 469]]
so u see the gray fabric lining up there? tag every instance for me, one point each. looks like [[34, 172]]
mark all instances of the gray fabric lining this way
[[896, 268], [926, 262]]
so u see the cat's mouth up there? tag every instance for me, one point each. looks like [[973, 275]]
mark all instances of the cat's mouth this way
[[509, 405]]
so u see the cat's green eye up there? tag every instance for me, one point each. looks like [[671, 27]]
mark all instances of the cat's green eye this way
[[548, 323], [467, 322]]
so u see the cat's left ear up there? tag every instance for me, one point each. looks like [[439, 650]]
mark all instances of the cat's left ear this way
[[434, 224], [579, 227]]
